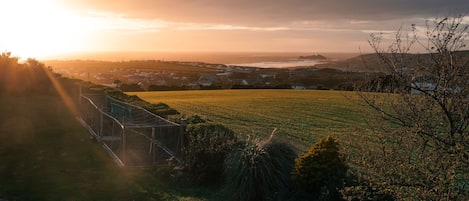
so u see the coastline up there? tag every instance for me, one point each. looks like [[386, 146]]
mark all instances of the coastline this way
[[235, 58]]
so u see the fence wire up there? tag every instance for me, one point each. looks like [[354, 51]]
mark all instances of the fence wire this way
[[135, 136]]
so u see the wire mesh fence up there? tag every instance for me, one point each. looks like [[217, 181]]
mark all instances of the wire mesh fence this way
[[134, 136]]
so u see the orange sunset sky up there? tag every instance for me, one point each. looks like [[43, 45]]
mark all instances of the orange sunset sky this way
[[43, 28]]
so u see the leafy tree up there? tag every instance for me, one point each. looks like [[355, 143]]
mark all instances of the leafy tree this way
[[421, 149], [196, 119], [320, 171], [8, 65], [117, 83], [205, 152], [36, 73], [130, 87]]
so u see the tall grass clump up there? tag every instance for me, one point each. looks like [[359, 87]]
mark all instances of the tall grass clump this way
[[259, 170], [320, 172], [205, 152]]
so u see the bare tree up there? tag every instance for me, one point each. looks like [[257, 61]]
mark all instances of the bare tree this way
[[420, 148]]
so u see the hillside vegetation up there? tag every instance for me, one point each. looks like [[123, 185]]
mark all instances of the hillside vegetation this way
[[45, 154]]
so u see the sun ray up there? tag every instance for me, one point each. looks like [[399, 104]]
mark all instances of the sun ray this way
[[62, 93]]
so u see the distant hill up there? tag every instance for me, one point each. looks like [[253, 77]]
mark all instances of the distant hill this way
[[372, 62], [365, 62], [313, 57]]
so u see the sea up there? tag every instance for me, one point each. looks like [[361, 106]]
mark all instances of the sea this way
[[251, 59]]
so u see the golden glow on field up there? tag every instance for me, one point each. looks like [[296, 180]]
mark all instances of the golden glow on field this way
[[300, 115]]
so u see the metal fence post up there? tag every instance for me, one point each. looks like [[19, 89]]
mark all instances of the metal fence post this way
[[182, 135], [123, 143], [101, 121], [152, 147], [79, 94]]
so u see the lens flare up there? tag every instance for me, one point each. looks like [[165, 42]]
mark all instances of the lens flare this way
[[62, 93]]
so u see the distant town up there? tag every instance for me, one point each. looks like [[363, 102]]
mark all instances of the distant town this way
[[154, 75]]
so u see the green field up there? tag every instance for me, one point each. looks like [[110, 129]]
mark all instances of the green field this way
[[301, 116]]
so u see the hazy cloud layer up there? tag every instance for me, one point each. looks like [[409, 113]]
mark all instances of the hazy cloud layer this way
[[235, 25], [276, 12]]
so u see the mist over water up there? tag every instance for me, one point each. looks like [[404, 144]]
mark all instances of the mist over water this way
[[280, 64], [253, 59]]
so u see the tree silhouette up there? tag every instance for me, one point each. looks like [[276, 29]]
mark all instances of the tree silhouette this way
[[22, 78], [423, 142]]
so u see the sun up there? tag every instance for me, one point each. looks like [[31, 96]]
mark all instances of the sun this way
[[39, 28]]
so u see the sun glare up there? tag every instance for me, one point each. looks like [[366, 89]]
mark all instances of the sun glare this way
[[38, 28]]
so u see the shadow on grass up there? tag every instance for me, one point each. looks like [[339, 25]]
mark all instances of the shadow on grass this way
[[45, 154]]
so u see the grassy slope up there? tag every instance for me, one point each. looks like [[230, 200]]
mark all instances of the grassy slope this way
[[45, 154], [301, 116]]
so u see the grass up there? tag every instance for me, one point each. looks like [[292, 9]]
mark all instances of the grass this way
[[45, 154], [301, 116]]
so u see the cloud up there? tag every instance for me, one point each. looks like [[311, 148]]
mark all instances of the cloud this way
[[275, 12], [255, 25], [269, 15], [96, 20], [224, 27]]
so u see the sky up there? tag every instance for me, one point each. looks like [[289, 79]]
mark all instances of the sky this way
[[42, 28]]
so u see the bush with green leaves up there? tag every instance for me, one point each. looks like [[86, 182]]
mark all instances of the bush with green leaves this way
[[259, 170], [320, 171], [206, 148], [364, 191], [196, 119]]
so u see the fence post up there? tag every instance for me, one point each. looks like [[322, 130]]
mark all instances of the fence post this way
[[152, 139], [182, 135], [101, 121], [79, 94], [123, 142], [152, 147]]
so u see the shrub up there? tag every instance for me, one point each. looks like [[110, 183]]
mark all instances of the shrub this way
[[196, 119], [130, 87], [160, 109], [205, 152], [366, 192], [321, 170], [259, 170]]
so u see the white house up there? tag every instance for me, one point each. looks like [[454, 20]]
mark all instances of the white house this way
[[421, 87]]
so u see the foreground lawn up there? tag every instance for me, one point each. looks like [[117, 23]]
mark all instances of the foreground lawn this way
[[301, 116], [45, 154]]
